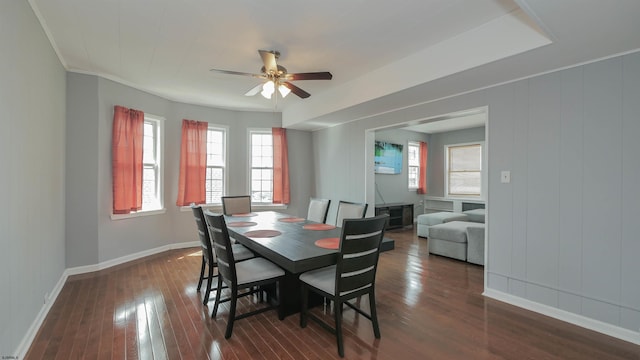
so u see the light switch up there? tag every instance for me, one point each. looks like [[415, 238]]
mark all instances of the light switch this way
[[505, 177]]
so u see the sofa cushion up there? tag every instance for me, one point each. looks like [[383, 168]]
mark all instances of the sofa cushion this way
[[475, 215], [440, 217], [455, 231]]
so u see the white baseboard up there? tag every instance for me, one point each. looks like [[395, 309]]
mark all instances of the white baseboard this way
[[582, 321], [25, 344], [124, 259]]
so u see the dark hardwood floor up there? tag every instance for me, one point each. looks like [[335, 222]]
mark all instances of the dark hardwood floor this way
[[429, 307]]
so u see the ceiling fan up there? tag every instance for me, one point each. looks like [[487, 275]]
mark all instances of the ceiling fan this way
[[277, 77]]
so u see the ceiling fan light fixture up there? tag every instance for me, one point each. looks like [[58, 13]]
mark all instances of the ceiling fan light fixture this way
[[276, 76], [268, 89], [284, 91]]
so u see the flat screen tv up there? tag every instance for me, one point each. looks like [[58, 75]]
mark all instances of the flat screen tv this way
[[387, 158]]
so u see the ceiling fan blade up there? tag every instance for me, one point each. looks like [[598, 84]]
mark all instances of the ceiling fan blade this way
[[269, 59], [325, 75], [230, 72], [296, 90], [254, 90]]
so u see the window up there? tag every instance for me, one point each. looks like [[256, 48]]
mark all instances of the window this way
[[261, 166], [216, 160], [464, 165], [413, 164], [151, 164]]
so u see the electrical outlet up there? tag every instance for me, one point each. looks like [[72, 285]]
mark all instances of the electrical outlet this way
[[505, 177]]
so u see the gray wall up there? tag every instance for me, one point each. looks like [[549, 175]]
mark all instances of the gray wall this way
[[32, 159], [339, 165], [394, 188], [95, 238], [562, 233], [436, 166]]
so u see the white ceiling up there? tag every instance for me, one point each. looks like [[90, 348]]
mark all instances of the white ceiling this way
[[383, 54]]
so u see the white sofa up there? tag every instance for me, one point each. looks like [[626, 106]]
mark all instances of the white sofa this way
[[455, 235], [425, 221], [462, 240]]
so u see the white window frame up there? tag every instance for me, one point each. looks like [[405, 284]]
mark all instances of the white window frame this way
[[158, 121], [410, 186], [225, 152], [262, 131], [480, 195]]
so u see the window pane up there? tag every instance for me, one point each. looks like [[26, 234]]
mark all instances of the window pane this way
[[267, 140], [256, 140], [464, 183], [148, 145], [214, 181], [261, 167], [261, 196], [465, 163], [151, 199], [413, 177], [465, 158], [413, 155], [214, 185], [149, 188], [256, 151], [215, 148]]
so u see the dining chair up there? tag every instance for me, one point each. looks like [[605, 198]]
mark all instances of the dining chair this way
[[353, 275], [318, 210], [350, 210], [236, 204], [249, 275], [209, 259]]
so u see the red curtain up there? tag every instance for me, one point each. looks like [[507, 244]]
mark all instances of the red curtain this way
[[126, 146], [280, 167], [193, 163], [422, 179]]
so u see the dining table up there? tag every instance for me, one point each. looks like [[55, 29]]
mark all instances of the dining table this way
[[293, 243]]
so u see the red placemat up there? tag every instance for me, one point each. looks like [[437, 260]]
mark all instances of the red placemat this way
[[318, 227], [262, 233], [244, 214], [241, 223], [328, 243], [292, 219]]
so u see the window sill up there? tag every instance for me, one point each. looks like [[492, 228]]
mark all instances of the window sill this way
[[257, 207], [265, 207], [465, 198], [138, 214]]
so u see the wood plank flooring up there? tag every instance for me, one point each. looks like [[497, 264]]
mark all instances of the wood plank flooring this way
[[429, 307]]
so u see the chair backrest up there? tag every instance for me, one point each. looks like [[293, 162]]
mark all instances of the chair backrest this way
[[222, 245], [350, 210], [236, 204], [358, 256], [203, 234], [318, 210]]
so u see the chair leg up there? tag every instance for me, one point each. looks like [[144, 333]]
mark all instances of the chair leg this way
[[232, 313], [201, 273], [374, 314], [217, 301], [338, 318], [209, 281], [303, 306]]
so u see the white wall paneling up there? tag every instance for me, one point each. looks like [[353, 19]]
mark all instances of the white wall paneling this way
[[561, 233]]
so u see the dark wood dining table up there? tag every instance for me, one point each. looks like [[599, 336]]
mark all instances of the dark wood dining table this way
[[288, 244]]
